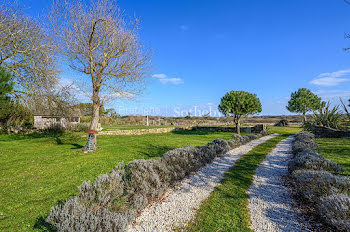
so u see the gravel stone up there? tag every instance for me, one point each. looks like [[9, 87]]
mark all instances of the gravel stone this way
[[271, 205], [179, 205]]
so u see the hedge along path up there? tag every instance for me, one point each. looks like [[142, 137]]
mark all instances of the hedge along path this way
[[271, 205], [180, 204], [226, 209]]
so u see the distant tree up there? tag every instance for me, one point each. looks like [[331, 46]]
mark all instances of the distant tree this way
[[303, 101], [102, 44], [239, 104]]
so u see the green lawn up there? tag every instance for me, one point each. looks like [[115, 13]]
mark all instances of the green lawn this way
[[226, 208], [38, 171], [284, 130], [337, 150]]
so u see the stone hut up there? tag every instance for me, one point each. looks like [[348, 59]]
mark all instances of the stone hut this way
[[42, 121]]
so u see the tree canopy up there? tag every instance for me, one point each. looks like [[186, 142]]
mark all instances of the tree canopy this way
[[26, 51], [303, 101], [239, 104]]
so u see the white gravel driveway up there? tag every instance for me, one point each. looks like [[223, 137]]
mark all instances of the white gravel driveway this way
[[270, 203], [180, 204]]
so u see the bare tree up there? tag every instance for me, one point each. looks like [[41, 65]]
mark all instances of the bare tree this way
[[26, 51], [100, 42]]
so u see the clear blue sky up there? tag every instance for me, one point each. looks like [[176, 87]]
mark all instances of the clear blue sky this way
[[202, 49]]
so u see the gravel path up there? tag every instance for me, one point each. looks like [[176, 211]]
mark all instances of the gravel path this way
[[180, 204], [270, 203]]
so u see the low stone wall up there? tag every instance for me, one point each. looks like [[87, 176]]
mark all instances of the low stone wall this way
[[326, 132], [144, 131], [254, 129]]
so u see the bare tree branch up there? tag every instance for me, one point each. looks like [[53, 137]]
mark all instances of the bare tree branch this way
[[98, 41], [26, 51]]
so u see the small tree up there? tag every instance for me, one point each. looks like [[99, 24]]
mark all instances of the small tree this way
[[303, 101], [239, 104]]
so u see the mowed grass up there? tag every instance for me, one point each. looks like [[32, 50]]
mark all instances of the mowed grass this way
[[226, 208], [38, 171], [285, 130], [335, 149]]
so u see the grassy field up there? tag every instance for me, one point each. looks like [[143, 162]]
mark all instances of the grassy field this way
[[37, 171], [226, 208], [337, 150]]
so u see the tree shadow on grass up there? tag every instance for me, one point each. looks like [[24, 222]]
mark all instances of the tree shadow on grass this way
[[41, 224], [154, 151]]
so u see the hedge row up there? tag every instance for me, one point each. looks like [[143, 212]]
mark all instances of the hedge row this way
[[318, 181], [113, 200]]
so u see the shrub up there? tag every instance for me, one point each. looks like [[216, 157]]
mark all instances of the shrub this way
[[315, 184], [114, 199], [304, 135], [310, 160], [80, 127], [282, 122], [54, 129], [335, 210]]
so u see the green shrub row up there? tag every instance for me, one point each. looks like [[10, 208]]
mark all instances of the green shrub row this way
[[113, 200], [318, 181]]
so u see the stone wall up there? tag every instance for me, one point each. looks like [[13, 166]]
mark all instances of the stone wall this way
[[143, 131], [326, 132], [253, 129]]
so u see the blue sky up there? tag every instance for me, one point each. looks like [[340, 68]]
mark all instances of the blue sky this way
[[202, 49]]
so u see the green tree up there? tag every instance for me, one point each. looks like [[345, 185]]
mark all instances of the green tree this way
[[303, 101], [239, 104], [6, 86], [11, 112]]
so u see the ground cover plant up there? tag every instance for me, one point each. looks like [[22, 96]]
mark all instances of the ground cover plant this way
[[319, 182], [36, 171], [113, 200], [226, 208]]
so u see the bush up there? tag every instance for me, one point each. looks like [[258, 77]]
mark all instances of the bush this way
[[310, 160], [335, 210], [54, 129], [282, 122], [114, 199], [315, 184], [27, 125], [80, 127], [300, 146], [304, 135]]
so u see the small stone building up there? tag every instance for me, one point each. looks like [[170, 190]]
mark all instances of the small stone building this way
[[45, 121]]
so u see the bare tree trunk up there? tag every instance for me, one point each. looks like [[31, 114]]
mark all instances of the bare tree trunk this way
[[304, 117], [238, 129], [95, 116]]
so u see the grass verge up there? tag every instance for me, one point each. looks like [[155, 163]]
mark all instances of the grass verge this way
[[226, 208], [335, 149]]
